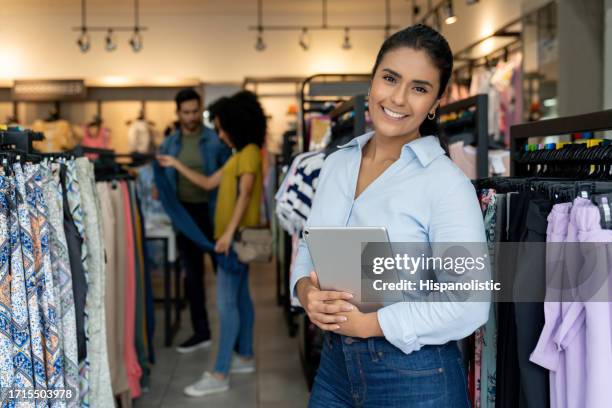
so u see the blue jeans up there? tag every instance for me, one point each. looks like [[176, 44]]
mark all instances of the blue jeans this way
[[236, 313], [374, 373]]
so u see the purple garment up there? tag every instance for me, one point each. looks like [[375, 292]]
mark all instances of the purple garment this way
[[597, 355], [579, 374], [546, 353]]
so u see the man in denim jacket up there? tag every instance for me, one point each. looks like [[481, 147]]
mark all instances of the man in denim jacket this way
[[198, 147]]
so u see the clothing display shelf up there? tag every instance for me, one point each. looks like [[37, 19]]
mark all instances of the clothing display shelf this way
[[508, 39], [321, 91], [356, 104], [521, 159], [19, 140], [480, 133]]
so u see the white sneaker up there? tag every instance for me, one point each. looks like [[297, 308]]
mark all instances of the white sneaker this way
[[241, 366], [208, 384]]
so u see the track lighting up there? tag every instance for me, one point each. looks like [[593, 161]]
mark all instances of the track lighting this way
[[305, 39], [449, 13], [136, 40], [83, 41], [346, 45], [110, 41], [260, 45]]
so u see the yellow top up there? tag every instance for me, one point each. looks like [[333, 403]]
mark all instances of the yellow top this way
[[247, 160], [58, 136]]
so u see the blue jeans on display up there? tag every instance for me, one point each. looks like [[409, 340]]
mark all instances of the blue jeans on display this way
[[236, 312], [374, 373]]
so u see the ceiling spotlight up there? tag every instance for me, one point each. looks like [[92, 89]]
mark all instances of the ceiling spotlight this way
[[305, 39], [136, 40], [260, 45], [346, 45], [449, 13], [110, 41], [83, 41]]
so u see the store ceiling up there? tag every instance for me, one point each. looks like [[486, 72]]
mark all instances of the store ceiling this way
[[335, 7]]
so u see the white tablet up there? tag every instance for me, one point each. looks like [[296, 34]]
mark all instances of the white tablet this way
[[336, 255]]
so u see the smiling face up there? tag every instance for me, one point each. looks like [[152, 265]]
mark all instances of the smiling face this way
[[404, 90]]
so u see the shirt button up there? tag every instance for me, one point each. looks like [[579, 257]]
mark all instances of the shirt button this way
[[348, 340]]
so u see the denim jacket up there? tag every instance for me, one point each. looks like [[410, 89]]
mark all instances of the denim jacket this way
[[214, 155]]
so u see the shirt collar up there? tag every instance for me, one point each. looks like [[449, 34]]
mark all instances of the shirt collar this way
[[425, 148]]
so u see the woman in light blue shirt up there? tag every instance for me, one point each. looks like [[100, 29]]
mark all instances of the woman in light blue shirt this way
[[399, 176]]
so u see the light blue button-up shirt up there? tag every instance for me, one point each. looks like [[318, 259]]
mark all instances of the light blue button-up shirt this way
[[421, 197]]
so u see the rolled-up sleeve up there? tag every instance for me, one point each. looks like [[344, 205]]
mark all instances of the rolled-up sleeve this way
[[409, 325]]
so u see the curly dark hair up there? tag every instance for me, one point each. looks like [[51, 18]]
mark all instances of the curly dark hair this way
[[242, 118]]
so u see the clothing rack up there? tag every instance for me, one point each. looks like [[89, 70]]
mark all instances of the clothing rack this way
[[480, 121], [356, 104], [20, 140], [317, 94], [319, 89], [520, 134]]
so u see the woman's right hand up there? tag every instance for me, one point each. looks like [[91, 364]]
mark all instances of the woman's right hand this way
[[323, 306]]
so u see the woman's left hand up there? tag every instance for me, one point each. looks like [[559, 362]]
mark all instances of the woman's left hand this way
[[358, 324], [167, 161], [224, 243], [354, 322]]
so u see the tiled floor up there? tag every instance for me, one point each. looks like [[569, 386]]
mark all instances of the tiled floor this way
[[278, 382]]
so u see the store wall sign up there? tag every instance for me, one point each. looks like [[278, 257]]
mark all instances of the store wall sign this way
[[49, 90]]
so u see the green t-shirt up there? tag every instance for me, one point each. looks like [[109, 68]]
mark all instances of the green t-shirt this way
[[190, 156], [248, 160]]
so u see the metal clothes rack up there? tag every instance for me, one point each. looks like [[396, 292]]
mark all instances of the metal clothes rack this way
[[520, 134], [356, 104], [480, 103], [319, 89], [314, 92], [17, 139]]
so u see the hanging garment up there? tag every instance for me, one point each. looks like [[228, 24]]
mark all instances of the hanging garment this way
[[294, 197], [47, 295], [529, 316], [140, 327], [508, 375], [152, 208], [545, 353], [62, 278], [464, 156], [114, 238], [99, 139], [575, 344], [100, 392], [76, 210], [6, 342], [133, 369], [23, 355], [140, 139], [33, 280], [58, 136], [79, 283], [149, 301]]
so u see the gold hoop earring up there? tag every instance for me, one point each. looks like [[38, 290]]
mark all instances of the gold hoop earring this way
[[431, 117]]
